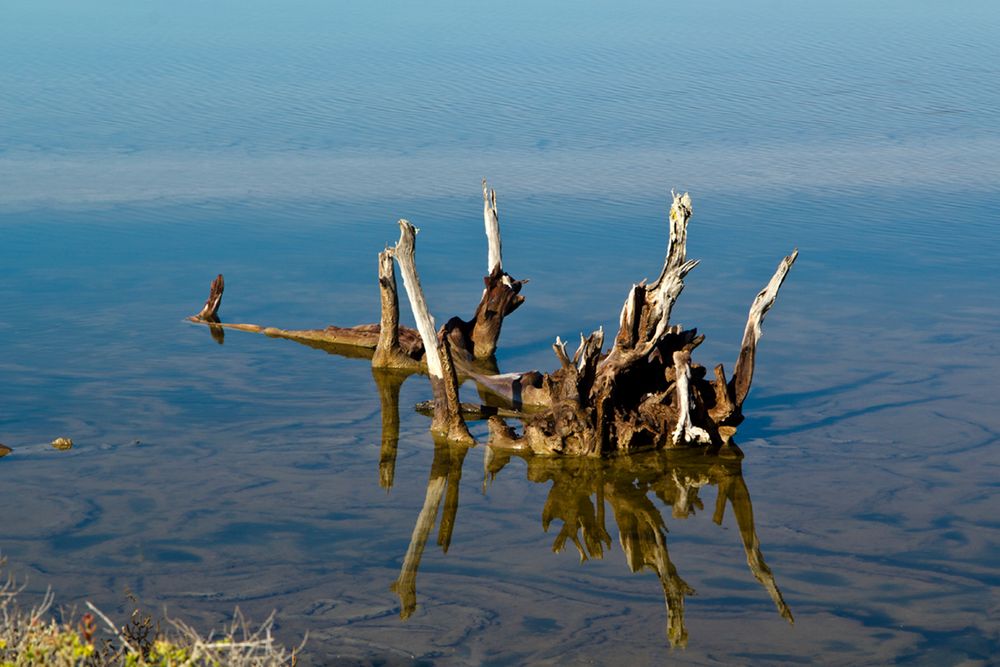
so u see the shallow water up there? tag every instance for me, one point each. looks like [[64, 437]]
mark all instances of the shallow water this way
[[144, 150]]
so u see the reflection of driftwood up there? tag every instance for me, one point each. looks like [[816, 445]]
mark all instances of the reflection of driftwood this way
[[388, 383], [580, 516], [645, 392], [406, 585], [643, 536], [626, 483], [734, 489], [580, 490], [445, 478]]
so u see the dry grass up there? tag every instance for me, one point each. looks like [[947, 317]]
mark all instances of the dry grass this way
[[32, 636]]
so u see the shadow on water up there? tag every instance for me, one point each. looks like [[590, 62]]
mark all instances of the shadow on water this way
[[581, 490]]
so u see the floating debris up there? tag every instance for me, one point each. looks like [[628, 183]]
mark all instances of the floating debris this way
[[62, 444]]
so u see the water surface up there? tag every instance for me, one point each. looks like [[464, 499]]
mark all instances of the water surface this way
[[145, 149]]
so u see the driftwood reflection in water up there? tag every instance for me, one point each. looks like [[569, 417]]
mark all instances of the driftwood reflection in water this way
[[581, 490], [388, 382], [446, 474]]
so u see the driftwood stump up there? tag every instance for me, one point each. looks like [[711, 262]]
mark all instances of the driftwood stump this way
[[645, 392]]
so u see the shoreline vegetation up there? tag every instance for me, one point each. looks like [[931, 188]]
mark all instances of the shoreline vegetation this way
[[40, 635]]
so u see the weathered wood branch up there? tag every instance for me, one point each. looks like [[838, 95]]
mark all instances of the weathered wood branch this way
[[743, 373], [404, 252], [501, 297], [210, 311], [388, 332], [685, 432], [447, 419], [477, 338], [389, 351], [724, 407], [494, 259], [519, 391], [645, 316]]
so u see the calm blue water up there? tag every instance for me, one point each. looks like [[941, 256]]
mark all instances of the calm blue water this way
[[146, 147]]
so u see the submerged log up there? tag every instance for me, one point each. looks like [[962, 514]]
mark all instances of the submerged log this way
[[404, 351], [491, 220], [389, 345]]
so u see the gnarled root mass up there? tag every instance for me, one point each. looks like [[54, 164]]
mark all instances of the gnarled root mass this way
[[645, 392]]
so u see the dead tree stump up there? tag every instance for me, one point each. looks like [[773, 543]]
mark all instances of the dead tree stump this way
[[645, 392]]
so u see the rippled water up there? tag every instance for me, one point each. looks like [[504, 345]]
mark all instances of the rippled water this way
[[145, 148]]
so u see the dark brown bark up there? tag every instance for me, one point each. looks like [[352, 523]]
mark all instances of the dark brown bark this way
[[395, 347], [210, 311], [477, 338], [447, 420]]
